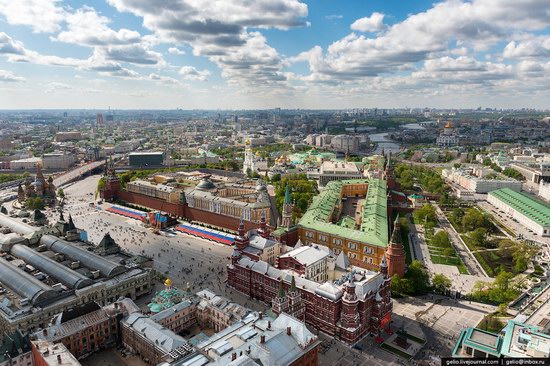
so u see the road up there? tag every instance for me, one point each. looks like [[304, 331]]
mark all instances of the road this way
[[516, 227], [76, 172]]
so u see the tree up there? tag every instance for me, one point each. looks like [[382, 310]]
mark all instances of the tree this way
[[503, 309], [60, 193], [513, 173], [100, 186], [425, 214], [441, 239], [478, 236], [419, 277], [401, 286], [448, 252], [502, 280], [125, 178], [34, 203], [473, 219], [440, 282], [276, 178], [506, 248]]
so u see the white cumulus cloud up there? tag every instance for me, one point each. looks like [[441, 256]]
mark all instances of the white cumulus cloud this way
[[191, 73], [43, 16], [374, 23]]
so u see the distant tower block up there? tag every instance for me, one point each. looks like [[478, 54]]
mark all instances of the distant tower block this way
[[99, 120], [110, 116]]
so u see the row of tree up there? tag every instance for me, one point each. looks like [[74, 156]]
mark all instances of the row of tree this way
[[428, 179], [302, 191]]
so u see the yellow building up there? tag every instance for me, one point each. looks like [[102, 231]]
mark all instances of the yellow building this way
[[349, 216]]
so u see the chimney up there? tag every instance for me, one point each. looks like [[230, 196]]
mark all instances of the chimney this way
[[269, 324], [262, 339], [288, 331], [45, 332], [233, 356], [261, 315], [58, 358]]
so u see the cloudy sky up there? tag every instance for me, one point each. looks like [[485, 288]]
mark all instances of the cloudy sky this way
[[274, 53]]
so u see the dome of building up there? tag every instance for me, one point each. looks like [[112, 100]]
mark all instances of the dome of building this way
[[449, 125], [206, 184], [247, 142], [168, 282]]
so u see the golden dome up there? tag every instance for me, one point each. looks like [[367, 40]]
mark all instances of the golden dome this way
[[247, 142], [168, 282], [449, 125], [258, 154]]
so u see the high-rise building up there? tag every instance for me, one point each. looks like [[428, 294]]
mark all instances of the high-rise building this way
[[99, 120]]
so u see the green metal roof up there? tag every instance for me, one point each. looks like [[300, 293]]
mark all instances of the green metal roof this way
[[374, 225], [501, 344], [535, 210], [506, 347]]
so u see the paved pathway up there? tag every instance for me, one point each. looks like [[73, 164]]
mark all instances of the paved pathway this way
[[473, 266], [464, 283]]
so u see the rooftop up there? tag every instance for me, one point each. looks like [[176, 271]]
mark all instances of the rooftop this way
[[535, 210], [146, 153], [374, 225], [339, 167], [519, 340], [308, 255]]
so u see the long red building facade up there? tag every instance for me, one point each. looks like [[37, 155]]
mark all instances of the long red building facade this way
[[351, 304]]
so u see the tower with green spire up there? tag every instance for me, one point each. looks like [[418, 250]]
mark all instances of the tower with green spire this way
[[286, 216], [280, 302], [296, 306]]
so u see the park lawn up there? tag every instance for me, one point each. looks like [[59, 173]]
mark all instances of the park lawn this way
[[436, 254], [495, 261], [478, 255], [491, 323]]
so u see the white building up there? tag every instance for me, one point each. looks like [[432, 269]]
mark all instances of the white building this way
[[465, 179], [533, 172], [338, 170], [57, 160], [253, 161], [448, 138], [26, 164], [530, 213], [345, 143], [544, 190]]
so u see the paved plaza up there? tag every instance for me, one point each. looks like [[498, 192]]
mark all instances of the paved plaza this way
[[202, 264]]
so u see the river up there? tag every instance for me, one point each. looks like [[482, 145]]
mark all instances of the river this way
[[383, 142]]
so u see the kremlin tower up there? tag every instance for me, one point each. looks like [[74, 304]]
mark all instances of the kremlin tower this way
[[395, 255], [286, 221], [241, 240]]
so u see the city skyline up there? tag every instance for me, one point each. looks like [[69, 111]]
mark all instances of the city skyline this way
[[197, 54]]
